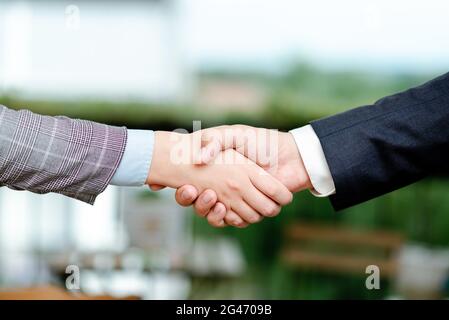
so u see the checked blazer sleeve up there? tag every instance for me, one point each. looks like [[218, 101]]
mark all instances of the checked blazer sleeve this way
[[41, 154]]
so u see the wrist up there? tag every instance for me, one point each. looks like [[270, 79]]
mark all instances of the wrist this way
[[171, 156], [319, 178], [305, 181], [299, 179]]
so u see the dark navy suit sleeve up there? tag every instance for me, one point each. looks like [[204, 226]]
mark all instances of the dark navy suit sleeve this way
[[375, 149]]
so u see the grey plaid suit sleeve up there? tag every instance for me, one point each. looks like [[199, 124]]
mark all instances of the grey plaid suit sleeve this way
[[42, 154]]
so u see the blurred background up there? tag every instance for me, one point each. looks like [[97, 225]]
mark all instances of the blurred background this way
[[161, 64]]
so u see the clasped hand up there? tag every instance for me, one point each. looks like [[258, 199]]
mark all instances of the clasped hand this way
[[233, 175]]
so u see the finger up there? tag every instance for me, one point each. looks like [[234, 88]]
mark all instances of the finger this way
[[205, 202], [233, 219], [156, 187], [271, 187], [245, 212], [261, 203], [214, 140], [210, 151], [211, 142], [186, 195], [216, 216], [242, 138]]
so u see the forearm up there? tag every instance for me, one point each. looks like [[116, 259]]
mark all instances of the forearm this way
[[42, 154], [376, 149]]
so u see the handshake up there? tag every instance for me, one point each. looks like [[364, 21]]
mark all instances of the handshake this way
[[234, 175], [237, 175]]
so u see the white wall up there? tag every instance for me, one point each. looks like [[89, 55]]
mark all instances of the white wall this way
[[118, 50]]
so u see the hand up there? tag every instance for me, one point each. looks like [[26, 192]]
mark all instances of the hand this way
[[242, 187], [285, 164]]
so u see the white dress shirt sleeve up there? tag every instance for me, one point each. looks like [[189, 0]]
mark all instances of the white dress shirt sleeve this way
[[312, 155], [136, 161]]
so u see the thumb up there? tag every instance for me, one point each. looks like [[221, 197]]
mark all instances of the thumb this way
[[213, 141]]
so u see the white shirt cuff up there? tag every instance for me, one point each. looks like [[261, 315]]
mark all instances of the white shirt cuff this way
[[312, 155], [136, 161]]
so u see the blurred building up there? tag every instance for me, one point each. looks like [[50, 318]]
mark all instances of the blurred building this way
[[95, 49], [105, 50]]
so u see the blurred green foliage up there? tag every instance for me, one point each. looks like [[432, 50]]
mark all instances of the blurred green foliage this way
[[297, 96], [419, 212]]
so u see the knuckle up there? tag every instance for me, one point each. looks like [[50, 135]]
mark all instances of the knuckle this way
[[233, 185], [271, 191], [271, 211], [208, 197], [254, 218], [238, 224], [288, 199], [233, 220], [200, 210]]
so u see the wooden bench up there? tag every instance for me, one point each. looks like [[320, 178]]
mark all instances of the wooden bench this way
[[340, 249]]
